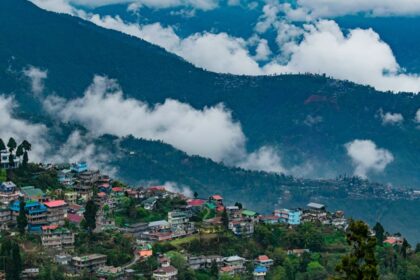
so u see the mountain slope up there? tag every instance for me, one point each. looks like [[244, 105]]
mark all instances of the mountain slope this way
[[272, 110]]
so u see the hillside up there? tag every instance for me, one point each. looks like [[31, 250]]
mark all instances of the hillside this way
[[271, 110]]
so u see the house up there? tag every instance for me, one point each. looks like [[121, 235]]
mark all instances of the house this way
[[297, 252], [282, 214], [8, 192], [36, 214], [70, 197], [149, 204], [242, 227], [80, 167], [204, 262], [56, 237], [88, 262], [249, 214], [32, 193], [166, 270], [110, 272], [135, 229], [260, 272], [84, 191], [394, 240], [264, 260], [233, 212], [212, 225], [294, 217], [4, 160], [62, 259], [316, 207], [269, 220], [159, 225], [30, 273], [65, 177], [233, 265], [74, 218], [216, 199], [5, 217], [145, 251], [57, 211]]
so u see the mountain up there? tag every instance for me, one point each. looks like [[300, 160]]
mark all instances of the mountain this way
[[308, 118]]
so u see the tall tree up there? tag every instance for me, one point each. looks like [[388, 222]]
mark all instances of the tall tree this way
[[22, 220], [26, 145], [16, 261], [11, 144], [195, 195], [90, 215], [379, 233], [19, 151], [225, 219], [360, 263], [25, 159], [2, 146], [404, 248]]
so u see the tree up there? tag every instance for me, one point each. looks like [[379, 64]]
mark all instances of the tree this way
[[404, 248], [22, 220], [195, 195], [26, 145], [25, 159], [19, 151], [379, 233], [90, 215], [214, 270], [417, 250], [16, 261], [11, 144], [2, 146], [239, 205], [12, 262], [360, 263], [225, 219]]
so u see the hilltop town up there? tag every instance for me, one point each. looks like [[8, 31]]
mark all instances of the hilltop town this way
[[69, 221]]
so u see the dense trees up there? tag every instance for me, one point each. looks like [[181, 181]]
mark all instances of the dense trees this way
[[379, 233], [10, 254], [360, 263], [22, 220]]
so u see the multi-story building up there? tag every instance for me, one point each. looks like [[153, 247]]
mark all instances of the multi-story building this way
[[32, 193], [88, 262], [70, 197], [36, 214], [80, 167], [4, 160], [204, 262], [242, 227], [8, 192], [55, 237], [166, 271], [57, 211], [5, 217]]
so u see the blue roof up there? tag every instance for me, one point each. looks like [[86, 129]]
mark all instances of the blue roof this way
[[260, 269], [31, 206]]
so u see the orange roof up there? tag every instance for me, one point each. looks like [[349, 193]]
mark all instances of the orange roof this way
[[50, 227], [101, 194], [217, 197], [263, 258], [55, 203]]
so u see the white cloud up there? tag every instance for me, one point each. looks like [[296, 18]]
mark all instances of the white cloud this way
[[367, 157], [21, 129], [266, 158], [263, 52], [334, 8], [66, 6], [175, 188], [360, 56], [36, 77], [210, 132], [417, 117], [80, 147], [391, 118]]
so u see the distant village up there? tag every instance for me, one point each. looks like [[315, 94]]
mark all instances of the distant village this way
[[56, 216]]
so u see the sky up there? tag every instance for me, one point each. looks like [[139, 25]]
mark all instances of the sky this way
[[278, 37]]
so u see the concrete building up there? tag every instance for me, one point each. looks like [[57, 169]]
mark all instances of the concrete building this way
[[88, 262], [55, 237], [36, 214], [57, 211], [8, 192]]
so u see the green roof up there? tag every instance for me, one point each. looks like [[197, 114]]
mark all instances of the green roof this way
[[210, 205], [32, 191], [248, 213]]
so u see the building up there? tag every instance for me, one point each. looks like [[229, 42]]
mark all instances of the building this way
[[110, 272], [233, 265], [294, 217], [204, 262], [216, 199], [70, 197], [62, 259], [8, 192], [136, 229], [259, 273], [32, 193], [316, 207], [4, 160], [5, 217], [65, 177], [178, 218], [88, 262], [242, 227], [57, 211], [159, 225], [269, 220], [36, 214], [55, 237], [80, 167], [88, 177], [264, 261], [166, 270]]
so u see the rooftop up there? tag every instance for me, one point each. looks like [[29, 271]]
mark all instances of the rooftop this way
[[315, 205], [55, 203]]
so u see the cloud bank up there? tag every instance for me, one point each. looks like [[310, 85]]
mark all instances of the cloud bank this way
[[367, 157], [20, 129], [389, 118], [36, 77]]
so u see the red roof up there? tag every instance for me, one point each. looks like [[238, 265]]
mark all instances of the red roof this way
[[55, 203], [156, 188], [220, 208], [50, 227], [117, 189], [101, 194], [217, 197], [196, 202], [74, 218], [263, 258]]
